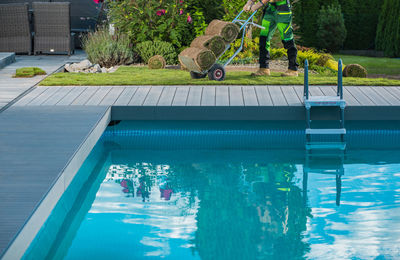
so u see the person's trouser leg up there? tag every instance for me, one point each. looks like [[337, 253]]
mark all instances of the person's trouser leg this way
[[290, 46], [265, 38], [286, 30]]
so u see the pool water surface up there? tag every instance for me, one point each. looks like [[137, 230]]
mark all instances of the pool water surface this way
[[175, 194]]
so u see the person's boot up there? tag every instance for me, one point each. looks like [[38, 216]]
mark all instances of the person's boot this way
[[261, 72], [290, 73]]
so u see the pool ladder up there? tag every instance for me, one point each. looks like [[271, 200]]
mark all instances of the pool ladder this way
[[324, 101], [327, 164]]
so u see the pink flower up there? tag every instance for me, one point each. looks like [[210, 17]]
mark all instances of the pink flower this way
[[181, 12], [189, 19], [160, 12], [180, 1], [98, 1]]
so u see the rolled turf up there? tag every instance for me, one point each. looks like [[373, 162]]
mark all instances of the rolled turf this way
[[197, 59], [227, 30], [156, 62], [215, 43]]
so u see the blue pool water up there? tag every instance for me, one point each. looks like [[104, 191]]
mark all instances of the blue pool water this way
[[202, 190]]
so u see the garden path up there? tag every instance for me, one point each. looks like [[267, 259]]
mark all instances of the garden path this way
[[11, 88]]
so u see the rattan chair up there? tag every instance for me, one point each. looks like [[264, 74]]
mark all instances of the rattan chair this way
[[15, 35], [22, 1], [52, 23]]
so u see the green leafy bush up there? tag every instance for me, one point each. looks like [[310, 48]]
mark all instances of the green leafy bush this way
[[149, 49], [108, 50], [28, 72], [388, 32], [331, 31], [355, 70], [361, 19], [278, 53], [153, 20]]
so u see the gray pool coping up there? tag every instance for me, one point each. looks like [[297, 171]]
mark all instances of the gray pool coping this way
[[42, 149]]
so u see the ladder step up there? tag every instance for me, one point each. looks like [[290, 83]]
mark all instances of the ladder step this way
[[324, 101], [326, 145], [336, 131], [325, 171]]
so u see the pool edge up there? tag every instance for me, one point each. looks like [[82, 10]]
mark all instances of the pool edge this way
[[22, 240]]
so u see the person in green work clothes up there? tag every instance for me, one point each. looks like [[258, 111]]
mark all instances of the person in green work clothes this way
[[277, 14]]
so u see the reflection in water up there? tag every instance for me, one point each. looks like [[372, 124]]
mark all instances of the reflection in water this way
[[238, 206], [198, 210]]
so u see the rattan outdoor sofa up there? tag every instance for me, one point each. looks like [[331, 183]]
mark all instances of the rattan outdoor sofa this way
[[52, 25], [15, 33]]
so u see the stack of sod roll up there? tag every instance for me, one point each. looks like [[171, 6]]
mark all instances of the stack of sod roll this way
[[205, 49]]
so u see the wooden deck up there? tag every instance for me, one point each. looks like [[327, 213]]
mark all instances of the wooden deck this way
[[203, 96], [217, 102]]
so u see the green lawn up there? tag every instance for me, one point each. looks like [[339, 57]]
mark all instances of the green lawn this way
[[387, 66], [145, 76]]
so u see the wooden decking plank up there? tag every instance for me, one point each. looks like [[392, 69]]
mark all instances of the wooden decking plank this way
[[315, 91], [348, 97], [44, 96], [299, 92], [360, 96], [208, 96], [71, 96], [194, 97], [263, 96], [167, 96], [153, 96], [98, 96], [125, 96], [328, 91], [181, 96], [249, 96], [140, 96], [277, 96], [85, 96], [222, 96], [394, 91], [387, 95], [236, 96], [291, 97], [30, 96], [57, 96], [375, 97], [112, 96]]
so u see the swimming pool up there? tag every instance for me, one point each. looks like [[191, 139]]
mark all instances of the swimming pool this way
[[229, 190]]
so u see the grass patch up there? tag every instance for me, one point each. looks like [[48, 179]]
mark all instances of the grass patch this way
[[386, 66], [143, 76], [28, 72]]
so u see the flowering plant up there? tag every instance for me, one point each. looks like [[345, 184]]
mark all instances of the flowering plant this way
[[161, 20]]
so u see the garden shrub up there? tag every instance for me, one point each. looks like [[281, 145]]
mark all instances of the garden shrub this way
[[331, 31], [311, 55], [355, 70], [108, 50], [153, 20], [278, 53], [388, 32], [361, 19], [157, 62], [148, 49], [248, 55], [322, 60]]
